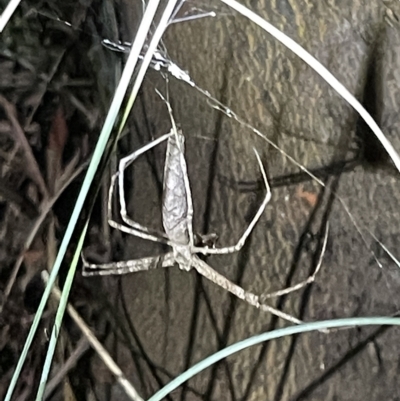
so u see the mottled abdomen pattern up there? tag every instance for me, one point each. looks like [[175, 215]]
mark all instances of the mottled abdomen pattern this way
[[175, 203]]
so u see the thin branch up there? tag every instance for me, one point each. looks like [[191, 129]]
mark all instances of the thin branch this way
[[32, 168], [329, 78], [45, 209], [25, 205], [79, 351]]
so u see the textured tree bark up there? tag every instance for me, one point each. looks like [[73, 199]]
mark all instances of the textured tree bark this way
[[181, 318]]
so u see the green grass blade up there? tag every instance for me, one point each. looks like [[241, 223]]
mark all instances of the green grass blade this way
[[162, 26], [100, 146], [249, 342], [60, 314], [322, 71], [7, 13], [67, 286]]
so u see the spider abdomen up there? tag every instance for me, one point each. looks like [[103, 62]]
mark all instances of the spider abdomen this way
[[175, 197]]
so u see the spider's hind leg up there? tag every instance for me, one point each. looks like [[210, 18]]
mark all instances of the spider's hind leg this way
[[127, 266]]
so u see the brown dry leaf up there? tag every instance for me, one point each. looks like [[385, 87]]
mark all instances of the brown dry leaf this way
[[58, 134], [310, 197]]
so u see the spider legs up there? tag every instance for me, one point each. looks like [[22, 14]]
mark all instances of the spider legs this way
[[128, 266], [208, 272], [131, 227], [243, 238]]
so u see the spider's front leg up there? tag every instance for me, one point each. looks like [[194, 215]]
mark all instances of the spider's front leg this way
[[128, 230], [132, 227], [243, 238], [123, 164]]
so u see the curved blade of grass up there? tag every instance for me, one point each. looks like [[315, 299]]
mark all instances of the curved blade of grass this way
[[100, 147], [71, 273], [103, 354], [8, 12], [249, 342], [322, 71]]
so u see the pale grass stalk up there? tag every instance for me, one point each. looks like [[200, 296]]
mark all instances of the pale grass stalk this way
[[97, 346], [7, 13], [322, 71]]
